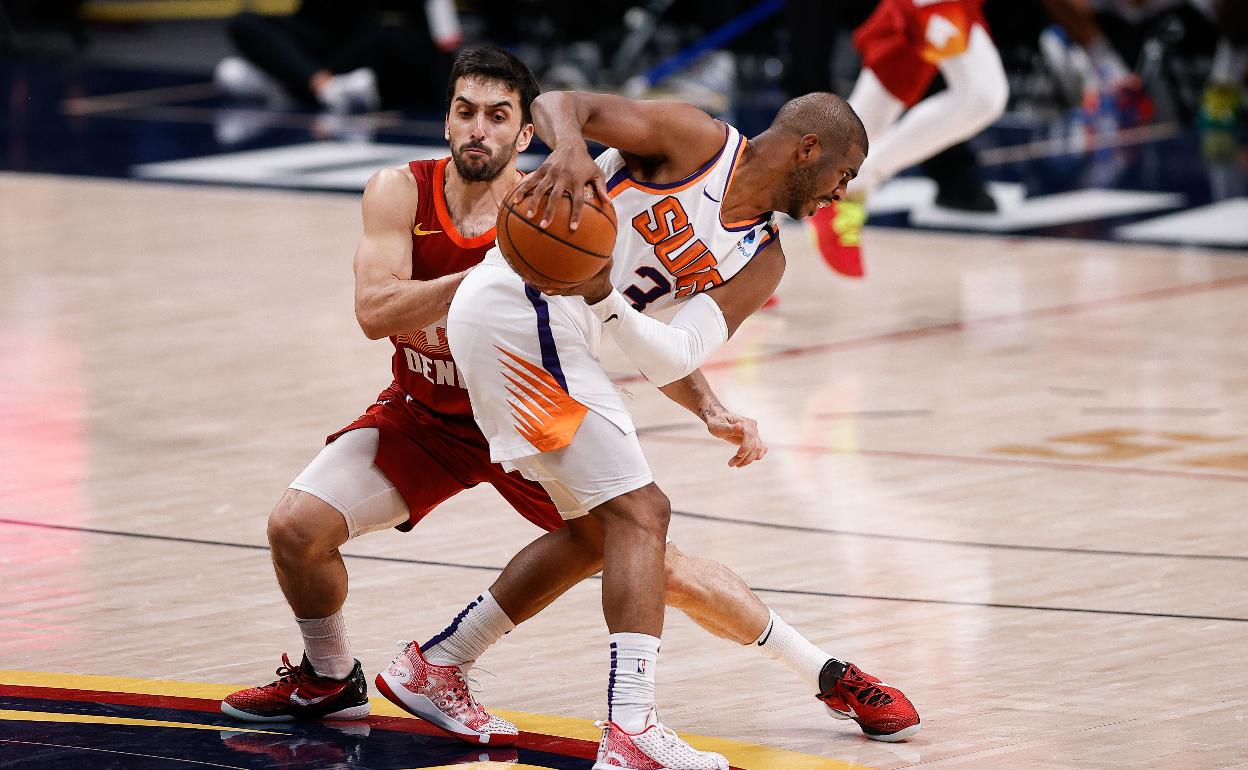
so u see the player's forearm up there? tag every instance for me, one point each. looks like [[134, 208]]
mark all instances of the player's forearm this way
[[694, 393], [399, 306], [559, 119], [664, 352]]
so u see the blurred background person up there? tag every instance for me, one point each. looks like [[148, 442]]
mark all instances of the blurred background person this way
[[1134, 46], [343, 56], [904, 44]]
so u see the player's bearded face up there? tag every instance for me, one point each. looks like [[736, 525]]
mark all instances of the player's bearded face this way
[[485, 163], [799, 191]]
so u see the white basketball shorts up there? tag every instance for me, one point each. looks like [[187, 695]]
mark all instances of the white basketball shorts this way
[[538, 392]]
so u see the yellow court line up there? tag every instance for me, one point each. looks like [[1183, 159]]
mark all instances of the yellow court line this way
[[739, 753], [7, 715]]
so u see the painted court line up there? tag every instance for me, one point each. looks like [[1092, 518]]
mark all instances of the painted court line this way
[[957, 543], [955, 327], [794, 592], [570, 737], [1125, 470]]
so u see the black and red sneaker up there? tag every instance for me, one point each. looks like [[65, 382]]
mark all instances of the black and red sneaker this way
[[301, 693], [882, 711]]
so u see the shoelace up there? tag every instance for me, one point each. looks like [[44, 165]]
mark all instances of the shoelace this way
[[287, 673], [464, 684]]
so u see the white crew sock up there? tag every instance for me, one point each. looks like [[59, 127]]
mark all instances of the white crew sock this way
[[326, 645], [630, 689], [472, 632], [781, 642]]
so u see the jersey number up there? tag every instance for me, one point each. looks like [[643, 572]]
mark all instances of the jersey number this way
[[666, 227], [638, 298]]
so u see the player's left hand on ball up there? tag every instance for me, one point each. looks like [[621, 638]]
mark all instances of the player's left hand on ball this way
[[742, 431]]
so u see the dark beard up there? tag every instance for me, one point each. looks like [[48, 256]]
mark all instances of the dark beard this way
[[487, 171], [798, 189]]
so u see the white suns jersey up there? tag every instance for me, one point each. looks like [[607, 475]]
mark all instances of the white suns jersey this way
[[671, 242]]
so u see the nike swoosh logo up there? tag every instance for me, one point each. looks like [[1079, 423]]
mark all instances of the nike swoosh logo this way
[[299, 700], [708, 196], [611, 318], [417, 231]]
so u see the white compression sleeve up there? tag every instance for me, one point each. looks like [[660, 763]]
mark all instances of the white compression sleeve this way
[[664, 352]]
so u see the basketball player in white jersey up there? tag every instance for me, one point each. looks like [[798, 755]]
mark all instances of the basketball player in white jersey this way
[[695, 203]]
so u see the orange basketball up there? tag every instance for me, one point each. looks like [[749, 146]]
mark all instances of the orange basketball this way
[[557, 257]]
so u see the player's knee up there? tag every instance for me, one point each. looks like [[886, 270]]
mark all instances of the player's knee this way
[[647, 508], [990, 101], [298, 527], [655, 509], [986, 99]]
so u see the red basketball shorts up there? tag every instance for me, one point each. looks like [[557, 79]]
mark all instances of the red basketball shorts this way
[[904, 40], [430, 457]]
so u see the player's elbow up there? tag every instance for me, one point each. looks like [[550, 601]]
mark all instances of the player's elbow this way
[[370, 322]]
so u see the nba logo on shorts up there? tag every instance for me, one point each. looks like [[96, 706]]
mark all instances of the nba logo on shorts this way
[[641, 666]]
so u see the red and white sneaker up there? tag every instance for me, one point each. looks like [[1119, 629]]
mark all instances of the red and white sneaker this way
[[301, 693], [881, 710], [838, 235], [440, 696], [655, 748]]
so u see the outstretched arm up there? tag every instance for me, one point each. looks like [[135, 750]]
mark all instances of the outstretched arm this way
[[387, 300]]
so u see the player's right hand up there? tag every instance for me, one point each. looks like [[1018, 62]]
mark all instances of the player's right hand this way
[[567, 171], [742, 431]]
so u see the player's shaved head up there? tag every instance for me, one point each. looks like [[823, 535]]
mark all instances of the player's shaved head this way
[[828, 117]]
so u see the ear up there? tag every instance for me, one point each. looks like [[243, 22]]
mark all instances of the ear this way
[[446, 127], [809, 149], [524, 138]]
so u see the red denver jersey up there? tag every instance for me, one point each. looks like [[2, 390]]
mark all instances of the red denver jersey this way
[[422, 363]]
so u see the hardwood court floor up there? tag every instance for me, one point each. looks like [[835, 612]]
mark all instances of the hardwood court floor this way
[[1009, 475]]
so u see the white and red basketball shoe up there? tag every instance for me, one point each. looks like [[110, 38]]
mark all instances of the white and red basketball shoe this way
[[655, 748], [439, 695], [882, 711]]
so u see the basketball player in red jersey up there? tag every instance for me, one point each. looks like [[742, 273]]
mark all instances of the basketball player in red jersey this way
[[424, 225], [904, 44]]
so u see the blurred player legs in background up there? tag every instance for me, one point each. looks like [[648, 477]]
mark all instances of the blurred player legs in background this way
[[903, 45]]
